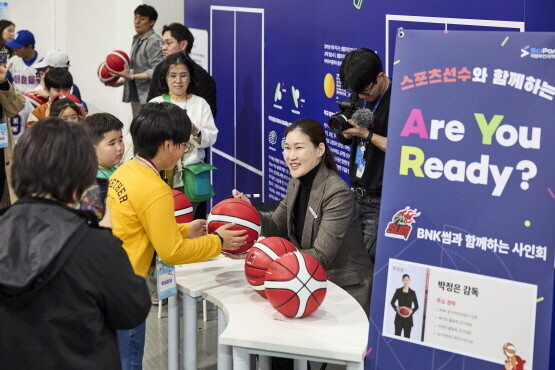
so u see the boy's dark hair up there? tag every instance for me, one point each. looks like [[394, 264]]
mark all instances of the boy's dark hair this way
[[174, 59], [99, 124], [54, 158], [157, 122], [147, 11], [58, 78], [359, 69], [180, 33]]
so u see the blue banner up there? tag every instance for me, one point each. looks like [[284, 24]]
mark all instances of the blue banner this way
[[275, 62], [465, 256]]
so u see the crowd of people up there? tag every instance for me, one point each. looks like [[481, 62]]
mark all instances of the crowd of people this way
[[73, 287]]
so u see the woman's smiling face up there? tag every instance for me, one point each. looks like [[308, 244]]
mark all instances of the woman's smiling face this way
[[300, 155]]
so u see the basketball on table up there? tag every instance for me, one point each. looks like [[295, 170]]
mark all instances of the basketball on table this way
[[296, 284], [105, 76], [242, 214], [183, 207], [117, 61], [260, 256]]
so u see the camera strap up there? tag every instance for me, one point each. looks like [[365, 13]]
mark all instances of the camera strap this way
[[375, 108]]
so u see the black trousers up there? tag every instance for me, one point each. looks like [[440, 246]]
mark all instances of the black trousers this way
[[400, 327]]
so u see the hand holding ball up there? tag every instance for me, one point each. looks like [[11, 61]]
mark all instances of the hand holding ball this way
[[105, 76], [244, 219], [404, 311]]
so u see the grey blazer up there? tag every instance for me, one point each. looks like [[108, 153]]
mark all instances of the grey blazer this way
[[146, 54], [331, 232]]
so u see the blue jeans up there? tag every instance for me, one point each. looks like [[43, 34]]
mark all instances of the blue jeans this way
[[368, 208], [131, 347]]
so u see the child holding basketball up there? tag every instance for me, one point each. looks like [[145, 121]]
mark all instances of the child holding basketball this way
[[142, 207], [107, 137]]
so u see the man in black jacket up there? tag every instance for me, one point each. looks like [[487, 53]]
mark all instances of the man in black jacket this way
[[177, 38], [361, 72]]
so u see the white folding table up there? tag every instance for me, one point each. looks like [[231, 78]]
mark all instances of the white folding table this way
[[192, 279], [335, 333]]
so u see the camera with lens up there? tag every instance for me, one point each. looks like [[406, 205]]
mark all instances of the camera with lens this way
[[338, 121]]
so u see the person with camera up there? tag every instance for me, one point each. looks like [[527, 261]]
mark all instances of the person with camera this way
[[363, 126]]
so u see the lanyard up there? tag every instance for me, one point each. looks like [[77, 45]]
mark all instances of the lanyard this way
[[149, 163]]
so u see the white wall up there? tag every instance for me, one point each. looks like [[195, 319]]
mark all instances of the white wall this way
[[88, 30]]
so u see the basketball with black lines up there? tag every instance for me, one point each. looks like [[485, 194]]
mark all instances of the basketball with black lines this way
[[296, 284], [183, 208], [260, 256], [242, 214]]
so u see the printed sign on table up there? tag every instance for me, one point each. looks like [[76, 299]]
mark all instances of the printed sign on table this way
[[464, 268]]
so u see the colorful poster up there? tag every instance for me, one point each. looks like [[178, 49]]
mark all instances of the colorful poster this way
[[465, 253], [275, 62]]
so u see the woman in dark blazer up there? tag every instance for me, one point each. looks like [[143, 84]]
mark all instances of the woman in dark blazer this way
[[318, 213], [405, 297]]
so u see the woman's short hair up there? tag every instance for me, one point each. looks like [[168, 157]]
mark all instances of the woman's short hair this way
[[55, 159], [157, 122], [405, 275], [315, 131], [175, 59]]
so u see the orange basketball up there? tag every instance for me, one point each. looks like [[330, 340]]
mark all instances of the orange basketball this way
[[296, 284], [117, 61], [105, 76], [260, 256], [242, 214], [183, 207], [404, 311]]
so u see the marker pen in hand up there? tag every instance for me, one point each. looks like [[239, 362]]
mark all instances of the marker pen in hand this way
[[249, 196]]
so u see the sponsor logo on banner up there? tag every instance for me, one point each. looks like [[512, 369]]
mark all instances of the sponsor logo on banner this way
[[401, 223], [272, 137], [537, 53]]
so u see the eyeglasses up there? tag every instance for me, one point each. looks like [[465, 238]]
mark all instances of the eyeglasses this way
[[182, 76], [167, 43], [366, 93], [188, 147]]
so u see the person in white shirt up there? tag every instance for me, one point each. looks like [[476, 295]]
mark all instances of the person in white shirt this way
[[23, 74], [176, 79]]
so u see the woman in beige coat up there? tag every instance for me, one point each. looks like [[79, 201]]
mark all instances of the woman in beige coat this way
[[11, 102]]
